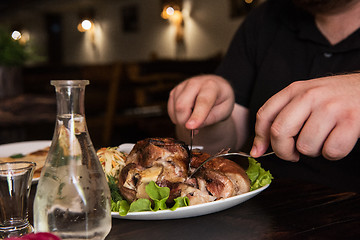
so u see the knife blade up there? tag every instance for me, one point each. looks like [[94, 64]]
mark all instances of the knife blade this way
[[191, 148], [191, 139]]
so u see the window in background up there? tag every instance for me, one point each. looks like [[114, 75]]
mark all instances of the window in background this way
[[130, 18]]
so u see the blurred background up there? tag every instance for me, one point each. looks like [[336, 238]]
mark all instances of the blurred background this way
[[132, 51]]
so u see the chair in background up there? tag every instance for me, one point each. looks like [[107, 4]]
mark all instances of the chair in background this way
[[101, 98]]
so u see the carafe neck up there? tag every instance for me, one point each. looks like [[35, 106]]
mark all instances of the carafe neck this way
[[70, 96]]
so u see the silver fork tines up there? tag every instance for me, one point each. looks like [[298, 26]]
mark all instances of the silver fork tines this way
[[225, 153]]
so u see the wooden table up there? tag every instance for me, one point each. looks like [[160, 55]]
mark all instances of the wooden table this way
[[285, 210]]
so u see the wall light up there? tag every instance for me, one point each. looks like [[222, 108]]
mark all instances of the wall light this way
[[167, 11], [169, 8], [172, 11], [86, 20], [85, 25], [16, 35], [20, 35]]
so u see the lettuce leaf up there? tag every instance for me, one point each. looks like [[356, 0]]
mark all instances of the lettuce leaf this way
[[142, 204], [180, 202], [121, 206], [258, 176], [158, 195]]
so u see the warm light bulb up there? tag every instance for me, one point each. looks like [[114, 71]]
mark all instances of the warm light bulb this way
[[16, 35], [170, 11], [167, 12], [86, 25]]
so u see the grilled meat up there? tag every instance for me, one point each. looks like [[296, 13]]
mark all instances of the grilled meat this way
[[166, 162], [162, 160]]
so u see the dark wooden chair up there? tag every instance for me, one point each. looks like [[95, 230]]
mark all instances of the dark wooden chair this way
[[101, 100]]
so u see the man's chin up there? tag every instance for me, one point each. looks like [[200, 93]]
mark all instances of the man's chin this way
[[322, 6]]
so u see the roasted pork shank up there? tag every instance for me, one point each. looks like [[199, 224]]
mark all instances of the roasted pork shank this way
[[166, 162], [162, 160]]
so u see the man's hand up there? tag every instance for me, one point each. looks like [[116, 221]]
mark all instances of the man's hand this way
[[201, 101], [314, 117]]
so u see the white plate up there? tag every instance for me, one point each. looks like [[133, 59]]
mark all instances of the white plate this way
[[6, 150], [190, 211], [127, 147]]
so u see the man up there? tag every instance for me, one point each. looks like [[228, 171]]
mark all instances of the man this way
[[267, 72]]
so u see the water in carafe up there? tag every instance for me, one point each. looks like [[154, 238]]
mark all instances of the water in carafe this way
[[73, 197]]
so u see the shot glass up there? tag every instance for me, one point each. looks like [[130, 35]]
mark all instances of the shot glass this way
[[15, 185]]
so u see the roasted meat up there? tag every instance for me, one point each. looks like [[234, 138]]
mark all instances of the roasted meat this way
[[166, 162], [221, 177], [162, 160]]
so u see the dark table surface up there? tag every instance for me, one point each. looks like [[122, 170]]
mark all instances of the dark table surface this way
[[285, 210]]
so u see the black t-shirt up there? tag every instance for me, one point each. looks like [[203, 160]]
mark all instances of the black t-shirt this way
[[276, 45]]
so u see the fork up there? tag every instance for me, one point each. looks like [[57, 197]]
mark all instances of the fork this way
[[226, 153]]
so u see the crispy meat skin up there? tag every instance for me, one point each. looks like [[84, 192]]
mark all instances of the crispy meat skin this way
[[152, 150], [166, 161], [146, 158], [127, 186], [222, 167]]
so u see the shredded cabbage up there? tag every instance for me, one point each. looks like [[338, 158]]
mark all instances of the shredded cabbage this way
[[112, 161]]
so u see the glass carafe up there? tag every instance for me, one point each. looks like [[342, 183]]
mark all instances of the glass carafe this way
[[72, 198]]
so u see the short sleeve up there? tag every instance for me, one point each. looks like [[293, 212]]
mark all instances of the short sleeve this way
[[239, 63]]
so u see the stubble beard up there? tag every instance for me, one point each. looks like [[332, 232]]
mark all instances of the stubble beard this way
[[323, 6]]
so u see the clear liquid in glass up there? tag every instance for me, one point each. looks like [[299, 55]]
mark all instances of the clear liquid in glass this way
[[72, 198], [15, 184]]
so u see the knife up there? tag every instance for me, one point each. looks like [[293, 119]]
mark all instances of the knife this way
[[191, 148], [191, 140]]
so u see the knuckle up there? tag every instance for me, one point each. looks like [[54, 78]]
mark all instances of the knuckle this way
[[329, 107], [295, 86], [309, 94], [303, 92], [171, 93], [261, 118], [259, 114], [276, 131], [192, 81], [350, 116], [210, 84], [306, 149], [179, 107], [202, 99], [332, 153]]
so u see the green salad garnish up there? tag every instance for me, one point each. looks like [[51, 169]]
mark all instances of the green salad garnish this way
[[18, 155], [258, 176], [114, 189], [159, 195]]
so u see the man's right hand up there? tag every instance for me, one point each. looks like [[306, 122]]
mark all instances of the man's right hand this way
[[201, 101]]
